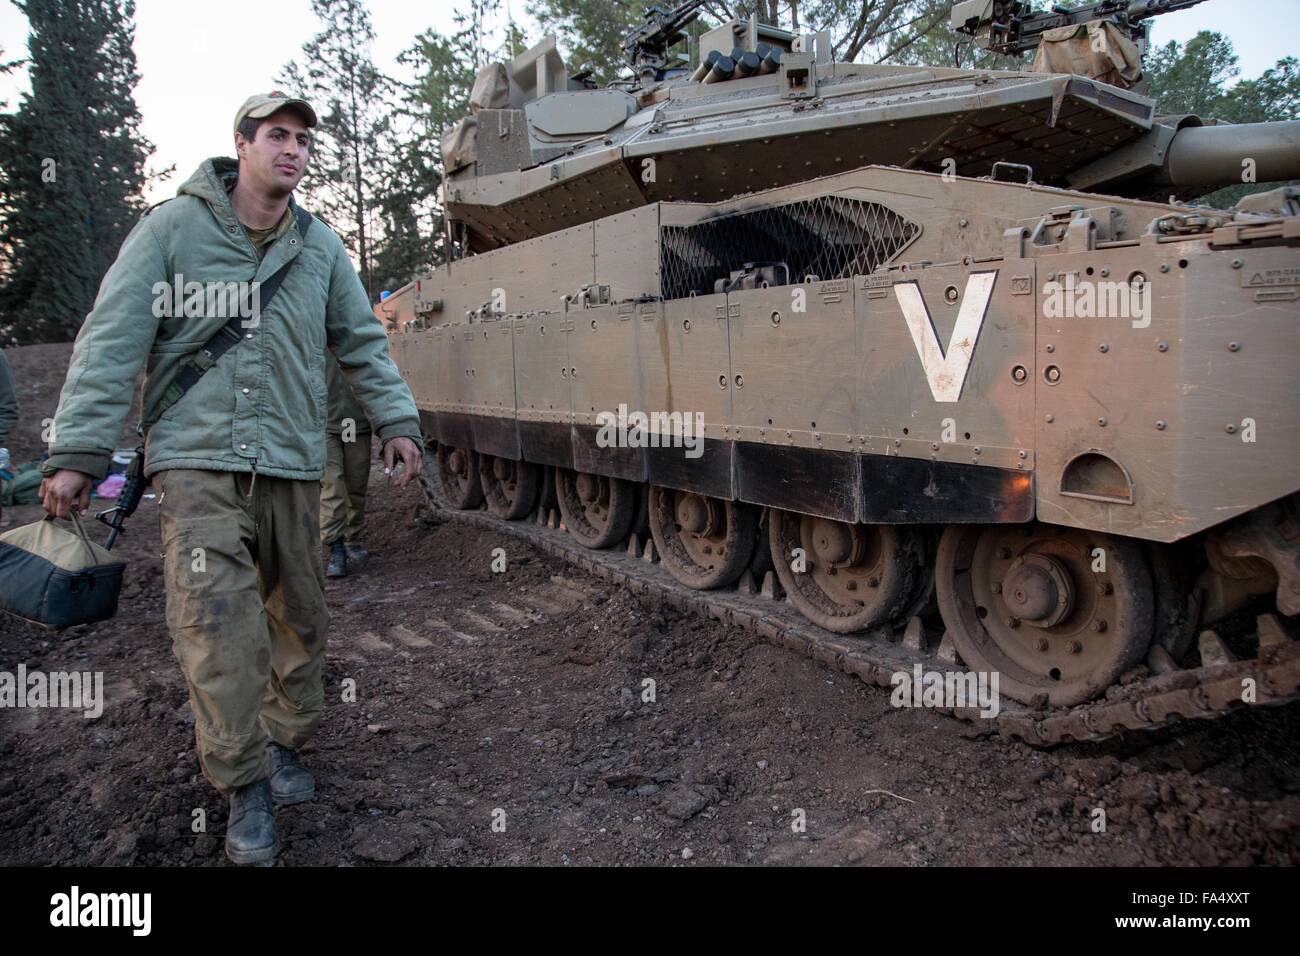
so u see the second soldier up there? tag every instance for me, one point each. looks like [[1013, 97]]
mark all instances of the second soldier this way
[[347, 472]]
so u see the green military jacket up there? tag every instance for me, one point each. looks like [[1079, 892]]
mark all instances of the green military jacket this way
[[262, 407]]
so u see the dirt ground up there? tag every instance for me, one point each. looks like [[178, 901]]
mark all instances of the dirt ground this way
[[516, 698]]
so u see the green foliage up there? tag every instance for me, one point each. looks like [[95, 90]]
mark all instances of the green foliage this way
[[1275, 95], [590, 32], [72, 166], [1189, 78], [433, 102]]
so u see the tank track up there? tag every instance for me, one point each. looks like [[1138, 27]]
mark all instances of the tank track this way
[[1148, 703]]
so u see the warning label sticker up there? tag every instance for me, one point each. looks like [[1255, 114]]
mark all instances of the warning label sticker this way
[[1259, 278]]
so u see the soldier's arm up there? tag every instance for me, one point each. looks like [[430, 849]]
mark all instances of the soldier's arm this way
[[360, 344], [8, 400], [111, 349]]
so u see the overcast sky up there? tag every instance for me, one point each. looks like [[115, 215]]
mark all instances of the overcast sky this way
[[198, 62]]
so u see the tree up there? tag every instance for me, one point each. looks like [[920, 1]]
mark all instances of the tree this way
[[351, 144], [877, 28], [409, 207], [72, 165], [1274, 96], [1189, 78], [444, 68], [592, 31]]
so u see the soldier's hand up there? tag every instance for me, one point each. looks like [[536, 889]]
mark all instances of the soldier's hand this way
[[66, 491], [405, 451]]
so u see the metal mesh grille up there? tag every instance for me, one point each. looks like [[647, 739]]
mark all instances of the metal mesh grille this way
[[830, 237]]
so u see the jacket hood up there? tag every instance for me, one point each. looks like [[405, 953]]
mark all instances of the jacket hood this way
[[211, 180]]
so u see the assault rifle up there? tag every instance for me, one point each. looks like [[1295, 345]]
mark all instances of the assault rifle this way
[[127, 500]]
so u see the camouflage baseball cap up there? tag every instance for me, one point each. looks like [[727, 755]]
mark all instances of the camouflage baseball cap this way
[[262, 105]]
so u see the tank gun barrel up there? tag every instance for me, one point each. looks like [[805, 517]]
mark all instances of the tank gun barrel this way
[[1216, 155], [1011, 27], [1197, 158]]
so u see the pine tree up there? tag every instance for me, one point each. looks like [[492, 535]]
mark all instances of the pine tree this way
[[348, 166], [72, 165], [590, 31], [412, 215], [1189, 78], [444, 68]]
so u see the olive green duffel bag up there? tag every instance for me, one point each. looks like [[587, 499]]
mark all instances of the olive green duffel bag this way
[[57, 577]]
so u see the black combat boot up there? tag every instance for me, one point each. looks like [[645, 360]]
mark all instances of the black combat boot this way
[[356, 554], [289, 782], [337, 566], [251, 836]]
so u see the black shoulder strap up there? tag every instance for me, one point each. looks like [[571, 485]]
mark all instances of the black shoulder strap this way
[[230, 334], [156, 205]]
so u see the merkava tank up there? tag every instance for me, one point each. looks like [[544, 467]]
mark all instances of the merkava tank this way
[[921, 341]]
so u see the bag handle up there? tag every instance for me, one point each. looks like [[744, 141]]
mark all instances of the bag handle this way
[[81, 532]]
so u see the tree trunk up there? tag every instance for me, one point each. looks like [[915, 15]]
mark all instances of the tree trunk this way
[[362, 252]]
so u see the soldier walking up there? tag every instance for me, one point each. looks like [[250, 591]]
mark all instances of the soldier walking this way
[[347, 472], [234, 411]]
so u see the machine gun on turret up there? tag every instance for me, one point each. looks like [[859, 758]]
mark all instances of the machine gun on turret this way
[[1010, 27], [647, 46]]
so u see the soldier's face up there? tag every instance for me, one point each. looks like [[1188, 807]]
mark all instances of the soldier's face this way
[[276, 159]]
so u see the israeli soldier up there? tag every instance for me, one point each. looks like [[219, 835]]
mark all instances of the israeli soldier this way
[[234, 417], [347, 472]]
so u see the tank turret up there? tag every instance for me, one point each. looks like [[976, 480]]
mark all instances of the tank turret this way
[[543, 150]]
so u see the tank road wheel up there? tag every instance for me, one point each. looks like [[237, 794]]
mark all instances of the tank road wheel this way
[[458, 478], [1025, 601], [597, 510], [853, 577], [510, 487], [703, 542]]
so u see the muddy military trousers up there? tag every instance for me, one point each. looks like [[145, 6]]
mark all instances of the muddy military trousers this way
[[246, 612], [343, 488]]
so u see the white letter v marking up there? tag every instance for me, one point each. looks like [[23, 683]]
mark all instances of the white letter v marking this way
[[946, 370]]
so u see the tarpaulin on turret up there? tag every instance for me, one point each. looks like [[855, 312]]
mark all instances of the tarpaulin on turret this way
[[1096, 49]]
